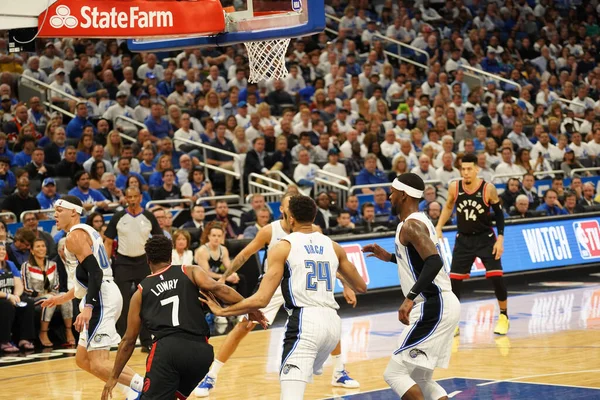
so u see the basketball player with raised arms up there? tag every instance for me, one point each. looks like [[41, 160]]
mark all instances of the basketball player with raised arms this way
[[430, 310], [266, 238], [473, 198], [101, 300], [166, 302], [304, 264]]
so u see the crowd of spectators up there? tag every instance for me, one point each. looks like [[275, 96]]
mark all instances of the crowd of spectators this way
[[348, 107]]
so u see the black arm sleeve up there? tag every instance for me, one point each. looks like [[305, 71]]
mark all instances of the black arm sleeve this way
[[499, 214], [394, 259], [92, 268], [433, 264]]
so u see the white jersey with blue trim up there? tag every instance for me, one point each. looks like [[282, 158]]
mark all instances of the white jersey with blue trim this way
[[309, 273], [277, 233], [410, 263], [98, 251]]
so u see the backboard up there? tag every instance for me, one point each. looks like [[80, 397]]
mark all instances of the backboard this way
[[249, 21]]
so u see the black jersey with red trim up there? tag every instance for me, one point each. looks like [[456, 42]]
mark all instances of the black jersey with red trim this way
[[473, 210], [170, 304]]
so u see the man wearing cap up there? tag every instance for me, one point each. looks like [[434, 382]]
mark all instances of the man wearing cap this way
[[401, 129], [59, 85], [242, 117], [48, 196], [179, 96], [75, 126], [90, 87], [121, 109], [490, 63]]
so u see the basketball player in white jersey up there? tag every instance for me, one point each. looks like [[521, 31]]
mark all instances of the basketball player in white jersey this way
[[267, 237], [101, 300], [304, 264], [430, 309]]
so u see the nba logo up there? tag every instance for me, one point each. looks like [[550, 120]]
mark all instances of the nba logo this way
[[297, 5], [357, 258], [587, 234]]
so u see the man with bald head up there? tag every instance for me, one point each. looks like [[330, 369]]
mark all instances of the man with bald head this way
[[14, 126], [425, 170]]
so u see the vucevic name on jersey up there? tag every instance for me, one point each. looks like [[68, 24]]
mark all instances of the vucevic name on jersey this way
[[472, 210]]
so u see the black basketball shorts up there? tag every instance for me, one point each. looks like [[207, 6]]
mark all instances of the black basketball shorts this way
[[469, 247], [175, 366]]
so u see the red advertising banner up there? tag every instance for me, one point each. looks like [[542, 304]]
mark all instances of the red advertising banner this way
[[131, 18]]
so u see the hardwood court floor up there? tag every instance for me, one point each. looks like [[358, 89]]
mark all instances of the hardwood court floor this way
[[554, 340]]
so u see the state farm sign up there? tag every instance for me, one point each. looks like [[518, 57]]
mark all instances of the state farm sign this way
[[130, 19]]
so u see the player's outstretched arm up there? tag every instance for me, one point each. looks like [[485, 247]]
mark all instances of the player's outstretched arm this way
[[127, 345], [207, 284], [348, 271], [448, 208], [272, 279], [262, 238]]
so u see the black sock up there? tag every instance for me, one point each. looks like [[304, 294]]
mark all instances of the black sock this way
[[504, 312]]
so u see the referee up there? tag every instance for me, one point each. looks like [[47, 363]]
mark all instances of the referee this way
[[133, 227]]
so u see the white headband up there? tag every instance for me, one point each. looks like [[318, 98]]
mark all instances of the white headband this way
[[411, 191], [68, 206]]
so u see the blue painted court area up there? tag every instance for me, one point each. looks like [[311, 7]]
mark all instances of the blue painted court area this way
[[472, 389]]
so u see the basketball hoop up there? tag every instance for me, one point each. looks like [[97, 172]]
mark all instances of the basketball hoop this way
[[267, 59]]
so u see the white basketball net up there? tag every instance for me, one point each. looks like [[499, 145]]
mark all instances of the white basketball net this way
[[267, 59]]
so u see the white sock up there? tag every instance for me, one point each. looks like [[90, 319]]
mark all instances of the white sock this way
[[137, 382], [338, 363], [215, 368]]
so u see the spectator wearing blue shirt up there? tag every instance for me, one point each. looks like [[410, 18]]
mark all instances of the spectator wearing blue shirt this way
[[23, 157], [490, 63], [124, 173], [352, 208], [8, 181], [167, 85], [551, 204], [158, 125], [76, 125], [48, 196], [4, 151], [163, 163], [147, 164], [89, 197], [382, 205], [370, 174]]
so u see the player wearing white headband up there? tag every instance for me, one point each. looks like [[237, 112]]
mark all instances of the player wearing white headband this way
[[101, 300], [430, 310]]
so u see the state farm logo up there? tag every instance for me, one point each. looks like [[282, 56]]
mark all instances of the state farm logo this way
[[92, 17], [357, 258], [64, 18], [587, 234]]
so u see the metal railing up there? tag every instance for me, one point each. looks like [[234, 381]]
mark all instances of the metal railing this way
[[10, 215], [491, 76], [207, 166], [509, 175], [152, 203], [324, 180], [256, 185], [280, 175], [41, 211], [551, 172], [131, 121], [47, 90], [590, 169]]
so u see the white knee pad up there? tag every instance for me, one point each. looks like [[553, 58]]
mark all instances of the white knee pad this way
[[430, 388], [398, 376]]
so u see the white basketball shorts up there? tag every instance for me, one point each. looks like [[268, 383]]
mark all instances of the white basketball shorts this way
[[102, 332]]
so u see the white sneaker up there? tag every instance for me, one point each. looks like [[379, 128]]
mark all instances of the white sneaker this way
[[341, 379], [133, 394], [204, 387], [221, 320]]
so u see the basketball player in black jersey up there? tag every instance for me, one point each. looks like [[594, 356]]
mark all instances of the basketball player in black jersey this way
[[167, 303], [473, 198]]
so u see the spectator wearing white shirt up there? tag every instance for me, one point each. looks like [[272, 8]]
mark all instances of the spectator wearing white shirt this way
[[242, 117], [60, 84], [150, 67], [425, 170], [192, 86], [390, 147], [455, 61], [431, 87], [583, 102], [305, 124], [128, 80], [581, 149], [507, 167], [179, 96], [33, 69], [447, 172], [294, 82], [346, 147], [142, 110], [255, 129], [333, 165], [218, 83], [305, 172], [408, 152], [594, 144], [546, 149], [239, 80], [485, 172], [185, 132], [397, 91], [121, 109]]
